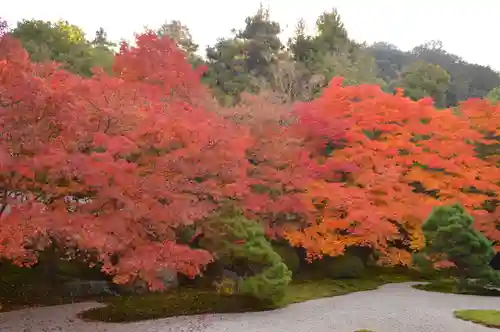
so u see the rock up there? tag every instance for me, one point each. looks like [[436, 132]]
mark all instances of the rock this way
[[140, 287], [78, 288], [169, 278]]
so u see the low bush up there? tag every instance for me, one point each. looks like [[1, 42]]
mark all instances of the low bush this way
[[234, 238], [347, 266], [289, 256]]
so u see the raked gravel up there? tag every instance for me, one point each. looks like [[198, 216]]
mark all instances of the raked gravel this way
[[391, 308]]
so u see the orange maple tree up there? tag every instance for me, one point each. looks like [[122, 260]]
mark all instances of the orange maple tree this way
[[484, 117], [384, 161], [113, 164]]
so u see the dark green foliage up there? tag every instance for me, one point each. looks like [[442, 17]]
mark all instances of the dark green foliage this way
[[330, 52], [449, 233], [421, 80], [347, 266], [450, 286], [270, 284], [64, 43], [494, 95], [425, 268], [243, 63], [181, 34], [179, 303], [467, 80], [232, 238], [262, 42], [21, 287], [289, 256], [227, 74]]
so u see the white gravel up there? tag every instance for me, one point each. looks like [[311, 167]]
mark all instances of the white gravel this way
[[391, 308]]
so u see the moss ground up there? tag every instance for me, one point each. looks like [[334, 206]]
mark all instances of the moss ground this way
[[24, 287], [489, 318], [196, 301], [450, 286]]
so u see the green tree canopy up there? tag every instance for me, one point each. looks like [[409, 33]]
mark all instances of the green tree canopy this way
[[450, 234], [494, 95], [64, 43], [421, 80]]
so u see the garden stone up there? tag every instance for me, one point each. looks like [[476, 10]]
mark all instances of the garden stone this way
[[79, 288], [140, 287], [169, 278]]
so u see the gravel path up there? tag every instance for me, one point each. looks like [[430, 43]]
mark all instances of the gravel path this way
[[391, 308]]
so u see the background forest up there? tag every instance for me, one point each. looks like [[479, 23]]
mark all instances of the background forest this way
[[257, 59], [247, 168]]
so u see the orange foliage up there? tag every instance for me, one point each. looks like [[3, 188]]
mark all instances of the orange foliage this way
[[404, 156], [354, 167], [484, 117]]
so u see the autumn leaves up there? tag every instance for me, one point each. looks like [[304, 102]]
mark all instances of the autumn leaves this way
[[405, 157], [151, 153]]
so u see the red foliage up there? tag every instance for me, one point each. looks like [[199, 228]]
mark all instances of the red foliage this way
[[116, 164], [279, 170], [108, 164], [164, 75]]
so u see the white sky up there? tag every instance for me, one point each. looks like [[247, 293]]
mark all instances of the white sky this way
[[465, 27]]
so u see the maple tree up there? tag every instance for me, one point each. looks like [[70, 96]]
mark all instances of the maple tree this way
[[112, 164], [382, 162], [279, 168], [484, 117], [117, 164]]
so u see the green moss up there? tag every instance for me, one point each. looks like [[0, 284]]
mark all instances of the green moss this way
[[309, 290], [24, 287], [450, 286], [195, 301], [344, 267], [489, 318], [179, 303]]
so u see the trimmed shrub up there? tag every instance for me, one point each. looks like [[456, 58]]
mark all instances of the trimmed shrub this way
[[344, 267], [235, 239], [289, 256], [450, 237]]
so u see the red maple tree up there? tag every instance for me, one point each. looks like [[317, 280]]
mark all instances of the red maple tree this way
[[113, 164], [117, 164], [279, 168]]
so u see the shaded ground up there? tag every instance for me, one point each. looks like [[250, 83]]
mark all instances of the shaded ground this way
[[186, 301], [391, 308]]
